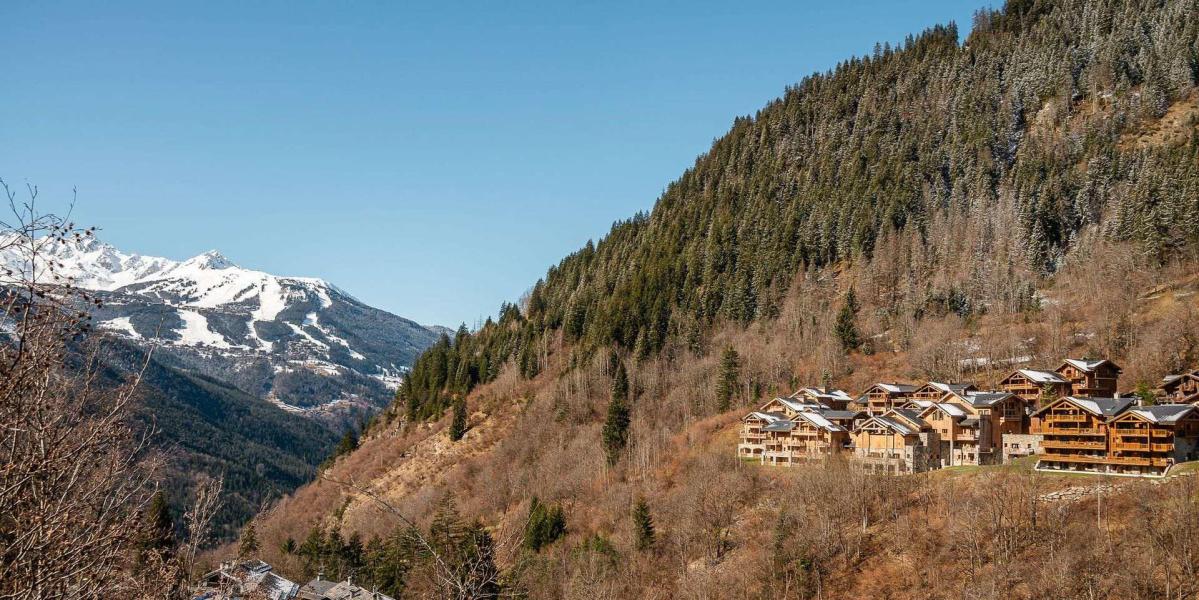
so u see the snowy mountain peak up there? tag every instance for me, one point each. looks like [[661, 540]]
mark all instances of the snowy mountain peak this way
[[212, 259], [297, 341]]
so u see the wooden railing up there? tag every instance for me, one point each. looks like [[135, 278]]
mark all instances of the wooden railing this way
[[1074, 444], [1051, 418], [1049, 429]]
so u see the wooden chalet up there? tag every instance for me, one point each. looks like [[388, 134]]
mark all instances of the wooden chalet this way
[[1180, 389], [1032, 385], [882, 397], [1148, 440], [935, 390], [808, 435], [894, 442], [790, 406], [957, 433], [753, 439], [1097, 378], [1074, 432], [990, 416], [830, 398]]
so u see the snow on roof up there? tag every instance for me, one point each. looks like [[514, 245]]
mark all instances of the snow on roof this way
[[951, 409], [1106, 407], [822, 393], [1036, 376], [923, 404], [820, 421], [1164, 413], [769, 417], [1085, 365], [841, 414], [910, 415], [783, 425], [897, 388]]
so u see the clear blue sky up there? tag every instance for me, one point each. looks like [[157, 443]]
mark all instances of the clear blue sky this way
[[432, 159]]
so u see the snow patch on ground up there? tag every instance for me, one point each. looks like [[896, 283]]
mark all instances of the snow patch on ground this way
[[195, 331], [121, 324]]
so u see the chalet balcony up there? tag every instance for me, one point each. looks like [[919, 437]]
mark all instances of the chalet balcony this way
[[1074, 444], [1142, 447], [751, 449], [753, 436], [1066, 418], [1049, 429], [1136, 461]]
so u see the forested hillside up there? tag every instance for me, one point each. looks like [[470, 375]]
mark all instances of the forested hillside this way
[[945, 209], [1009, 145]]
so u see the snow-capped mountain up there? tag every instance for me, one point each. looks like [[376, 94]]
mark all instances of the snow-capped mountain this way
[[297, 341]]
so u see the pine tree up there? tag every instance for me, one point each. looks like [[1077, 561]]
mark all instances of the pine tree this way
[[288, 546], [846, 327], [643, 525], [1145, 393], [616, 427], [348, 444], [726, 384], [248, 546], [458, 425], [158, 537], [544, 526]]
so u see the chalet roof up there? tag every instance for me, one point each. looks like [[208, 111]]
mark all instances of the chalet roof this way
[[798, 405], [823, 394], [910, 415], [951, 409], [1164, 413], [318, 587], [256, 576], [841, 414], [1169, 380], [895, 424], [820, 421], [985, 399], [969, 422], [895, 388], [769, 417], [1037, 376], [922, 404], [346, 590], [1088, 365], [783, 425], [949, 386], [1104, 407]]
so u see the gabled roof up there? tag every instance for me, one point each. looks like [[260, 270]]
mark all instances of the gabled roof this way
[[793, 404], [909, 415], [1164, 413], [919, 404], [894, 388], [819, 420], [820, 394], [1037, 376], [769, 417], [985, 399], [1100, 407], [783, 425], [948, 408], [1088, 365], [841, 414], [1170, 380], [946, 387], [892, 423]]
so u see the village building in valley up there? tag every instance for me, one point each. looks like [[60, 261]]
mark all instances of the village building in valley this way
[[1071, 417]]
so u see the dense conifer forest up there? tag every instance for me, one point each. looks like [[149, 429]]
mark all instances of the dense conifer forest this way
[[1018, 139]]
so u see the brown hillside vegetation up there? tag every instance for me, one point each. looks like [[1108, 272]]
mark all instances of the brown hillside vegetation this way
[[732, 529]]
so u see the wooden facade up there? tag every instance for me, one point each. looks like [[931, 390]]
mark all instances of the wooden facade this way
[[1033, 385], [1180, 389], [1090, 378], [1074, 432], [806, 437], [883, 397], [935, 390], [894, 442]]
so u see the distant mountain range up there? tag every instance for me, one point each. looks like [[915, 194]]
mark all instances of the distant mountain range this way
[[299, 342], [252, 376]]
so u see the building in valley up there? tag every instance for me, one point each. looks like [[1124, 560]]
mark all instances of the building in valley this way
[[1090, 378], [753, 438], [1034, 386], [882, 397], [971, 426], [1180, 389]]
